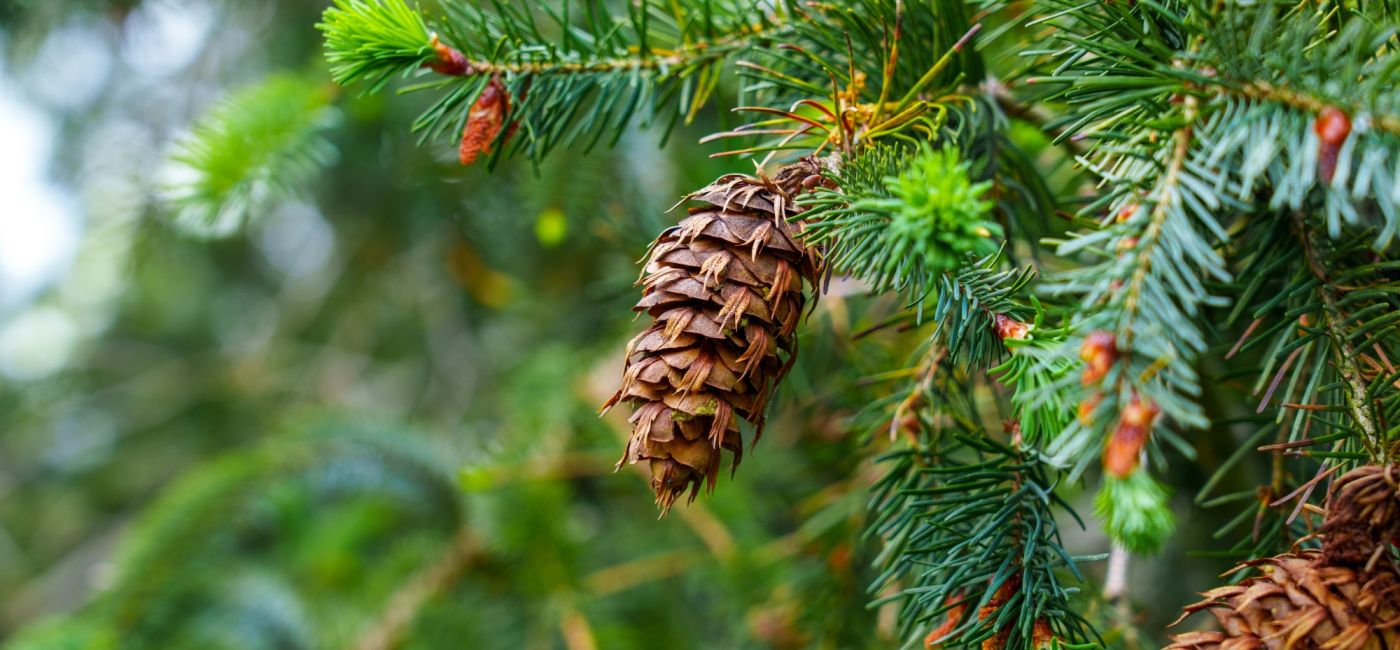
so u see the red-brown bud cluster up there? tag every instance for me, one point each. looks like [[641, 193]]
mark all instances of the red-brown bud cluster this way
[[1010, 328], [1120, 455], [1099, 352], [484, 122], [1332, 128]]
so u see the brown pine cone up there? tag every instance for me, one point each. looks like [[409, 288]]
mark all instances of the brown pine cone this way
[[1345, 596], [725, 290]]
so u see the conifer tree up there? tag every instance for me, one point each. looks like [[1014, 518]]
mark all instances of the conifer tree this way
[[1119, 232], [1233, 209]]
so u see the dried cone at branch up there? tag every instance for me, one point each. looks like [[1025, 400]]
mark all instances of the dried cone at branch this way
[[1343, 597], [725, 291]]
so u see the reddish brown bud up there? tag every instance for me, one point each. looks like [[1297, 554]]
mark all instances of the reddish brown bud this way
[[1332, 128], [1127, 212], [1099, 352], [484, 122], [1086, 408], [1013, 429], [1043, 636], [1139, 413], [1120, 455], [449, 61], [1010, 328], [954, 616]]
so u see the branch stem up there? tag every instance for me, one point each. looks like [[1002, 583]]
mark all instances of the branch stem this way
[[1358, 401], [403, 606], [698, 52]]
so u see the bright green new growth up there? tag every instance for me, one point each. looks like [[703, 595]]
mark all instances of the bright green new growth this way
[[263, 143], [937, 214], [899, 221], [1135, 511], [373, 39]]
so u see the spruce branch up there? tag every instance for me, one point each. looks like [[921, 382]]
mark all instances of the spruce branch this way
[[374, 40], [261, 144], [972, 549], [569, 72], [902, 218], [1358, 398], [1264, 77]]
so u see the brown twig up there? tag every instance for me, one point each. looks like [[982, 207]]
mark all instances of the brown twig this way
[[451, 62], [403, 606]]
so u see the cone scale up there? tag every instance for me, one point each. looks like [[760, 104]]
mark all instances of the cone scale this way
[[1344, 596], [726, 289]]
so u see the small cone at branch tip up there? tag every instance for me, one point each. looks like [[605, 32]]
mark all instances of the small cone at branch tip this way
[[1344, 596], [726, 289]]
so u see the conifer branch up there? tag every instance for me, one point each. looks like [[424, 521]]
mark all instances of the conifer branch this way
[[1357, 394], [451, 62], [1164, 196], [260, 145], [1308, 103], [579, 74]]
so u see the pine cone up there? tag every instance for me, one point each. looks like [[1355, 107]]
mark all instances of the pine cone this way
[[1342, 597], [725, 291], [1363, 516]]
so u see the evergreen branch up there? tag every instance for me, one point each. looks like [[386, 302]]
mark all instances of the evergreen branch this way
[[1147, 295], [966, 522], [1320, 339], [1358, 395], [971, 541], [688, 55], [257, 146], [1266, 91], [374, 40], [1263, 79], [902, 218], [580, 75], [1166, 194]]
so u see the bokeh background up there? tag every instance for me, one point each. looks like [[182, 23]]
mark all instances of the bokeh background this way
[[365, 416]]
